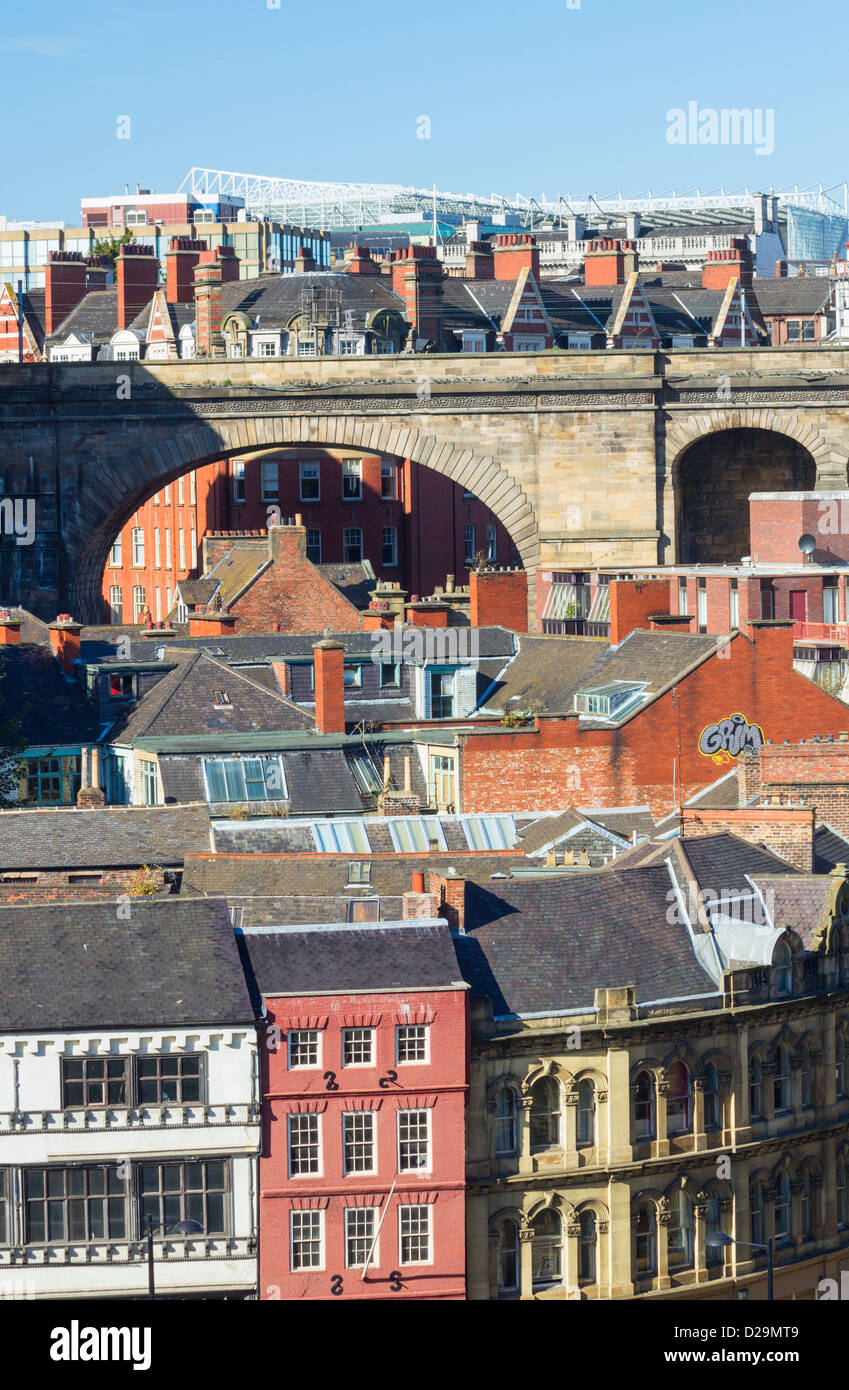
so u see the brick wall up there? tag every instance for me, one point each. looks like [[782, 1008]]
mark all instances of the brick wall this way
[[778, 521], [293, 593], [499, 598], [631, 602], [814, 774], [787, 831], [556, 763]]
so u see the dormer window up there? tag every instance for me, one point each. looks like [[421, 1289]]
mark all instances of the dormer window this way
[[120, 687], [609, 701]]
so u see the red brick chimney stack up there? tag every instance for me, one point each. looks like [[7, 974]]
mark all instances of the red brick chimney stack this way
[[361, 262], [480, 261], [65, 641], [137, 271], [181, 258], [733, 263], [514, 252], [10, 629], [417, 278], [64, 286], [610, 261], [499, 598], [329, 660]]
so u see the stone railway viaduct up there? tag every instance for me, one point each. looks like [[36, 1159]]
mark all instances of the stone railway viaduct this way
[[586, 457]]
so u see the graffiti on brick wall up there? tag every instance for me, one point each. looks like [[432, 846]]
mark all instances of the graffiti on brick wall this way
[[729, 738]]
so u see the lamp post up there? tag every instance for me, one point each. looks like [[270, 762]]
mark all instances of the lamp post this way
[[718, 1240], [182, 1228]]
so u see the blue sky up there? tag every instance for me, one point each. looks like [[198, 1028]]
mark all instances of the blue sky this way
[[536, 97]]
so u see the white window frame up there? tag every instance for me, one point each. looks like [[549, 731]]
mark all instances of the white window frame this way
[[351, 1213], [351, 531], [270, 491], [138, 547], [391, 545], [305, 474], [412, 1061], [238, 480], [352, 469], [304, 1066], [338, 836], [350, 1119], [318, 1171], [356, 1042], [406, 1209], [312, 1213], [400, 1115]]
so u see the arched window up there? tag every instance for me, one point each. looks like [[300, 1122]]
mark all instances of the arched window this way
[[505, 1121], [644, 1106], [678, 1108], [782, 961], [508, 1257], [756, 1088], [713, 1226], [782, 1207], [842, 1183], [781, 1080], [756, 1209], [545, 1113], [805, 1079], [587, 1241], [548, 1247], [840, 1063], [710, 1092], [586, 1113], [645, 1251], [680, 1231]]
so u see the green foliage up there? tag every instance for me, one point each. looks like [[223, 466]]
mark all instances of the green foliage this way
[[146, 882], [110, 246], [12, 744]]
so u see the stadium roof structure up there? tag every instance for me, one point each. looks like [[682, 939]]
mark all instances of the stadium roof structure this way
[[351, 205]]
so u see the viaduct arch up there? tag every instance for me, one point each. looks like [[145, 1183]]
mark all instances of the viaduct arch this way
[[579, 454]]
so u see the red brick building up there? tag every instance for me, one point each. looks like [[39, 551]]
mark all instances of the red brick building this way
[[355, 507], [581, 745], [365, 1077]]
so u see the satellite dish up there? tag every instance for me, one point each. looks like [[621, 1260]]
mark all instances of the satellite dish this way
[[807, 544]]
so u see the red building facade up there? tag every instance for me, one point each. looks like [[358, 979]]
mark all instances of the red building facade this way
[[414, 525], [362, 1173]]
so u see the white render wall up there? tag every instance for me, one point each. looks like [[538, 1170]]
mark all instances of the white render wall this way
[[35, 1131]]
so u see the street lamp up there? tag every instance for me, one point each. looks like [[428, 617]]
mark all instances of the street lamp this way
[[718, 1240], [182, 1228]]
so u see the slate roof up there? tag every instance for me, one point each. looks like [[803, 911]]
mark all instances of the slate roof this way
[[51, 708], [796, 901], [829, 849], [553, 669], [172, 963], [182, 702], [96, 315], [278, 299], [536, 946], [721, 795], [274, 911], [793, 294], [354, 581], [99, 644], [719, 862], [319, 876], [116, 836], [319, 781], [359, 959]]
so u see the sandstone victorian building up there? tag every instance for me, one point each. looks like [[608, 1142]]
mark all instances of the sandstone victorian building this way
[[673, 1067]]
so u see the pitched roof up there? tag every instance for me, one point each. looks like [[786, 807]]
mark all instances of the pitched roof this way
[[552, 670], [359, 959], [317, 876], [100, 838], [796, 901], [183, 702], [172, 963], [95, 315], [278, 299], [52, 709], [537, 946]]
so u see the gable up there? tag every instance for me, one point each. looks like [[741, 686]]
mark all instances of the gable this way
[[526, 310], [730, 320], [634, 324]]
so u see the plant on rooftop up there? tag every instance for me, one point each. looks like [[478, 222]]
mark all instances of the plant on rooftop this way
[[145, 882], [110, 246], [518, 717], [12, 766]]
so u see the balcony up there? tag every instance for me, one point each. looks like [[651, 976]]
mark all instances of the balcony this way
[[833, 633], [115, 1119], [128, 1252]]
